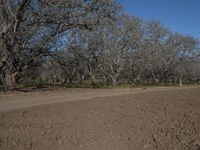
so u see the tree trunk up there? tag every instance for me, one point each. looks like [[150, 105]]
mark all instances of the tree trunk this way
[[92, 78], [9, 80], [180, 82], [114, 80], [7, 69]]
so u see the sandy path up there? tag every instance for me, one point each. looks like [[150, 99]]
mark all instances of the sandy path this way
[[18, 101]]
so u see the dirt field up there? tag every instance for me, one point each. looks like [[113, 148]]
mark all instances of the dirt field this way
[[121, 119]]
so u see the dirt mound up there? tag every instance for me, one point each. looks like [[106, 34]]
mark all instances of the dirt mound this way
[[164, 120]]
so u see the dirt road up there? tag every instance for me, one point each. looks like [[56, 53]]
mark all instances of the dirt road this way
[[22, 100], [153, 119]]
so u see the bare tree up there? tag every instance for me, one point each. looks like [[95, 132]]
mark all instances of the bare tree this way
[[184, 51], [28, 26], [119, 40], [147, 59]]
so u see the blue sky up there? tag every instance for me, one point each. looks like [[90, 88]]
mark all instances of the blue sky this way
[[182, 16]]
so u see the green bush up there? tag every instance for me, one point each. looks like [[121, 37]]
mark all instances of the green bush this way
[[39, 82]]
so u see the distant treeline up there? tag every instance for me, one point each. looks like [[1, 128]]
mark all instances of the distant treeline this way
[[89, 42]]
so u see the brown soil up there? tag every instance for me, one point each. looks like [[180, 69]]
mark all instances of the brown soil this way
[[151, 120]]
